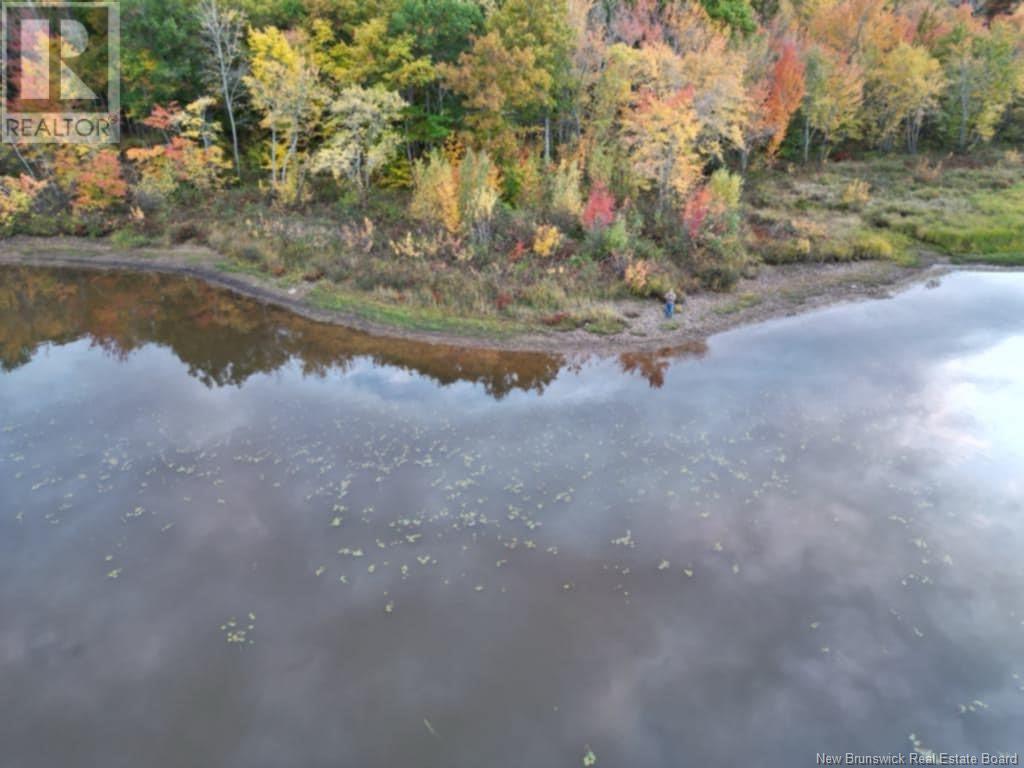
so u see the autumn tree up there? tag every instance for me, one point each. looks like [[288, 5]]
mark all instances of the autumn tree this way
[[361, 137], [92, 178], [457, 192], [373, 57], [661, 134], [775, 89], [284, 86], [785, 93], [904, 89], [497, 83], [189, 158], [697, 54], [832, 99]]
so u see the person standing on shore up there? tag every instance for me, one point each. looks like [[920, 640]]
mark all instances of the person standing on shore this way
[[670, 304]]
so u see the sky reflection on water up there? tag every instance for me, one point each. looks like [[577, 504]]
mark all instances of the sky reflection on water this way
[[806, 538]]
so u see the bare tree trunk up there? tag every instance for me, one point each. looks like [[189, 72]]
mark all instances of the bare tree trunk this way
[[24, 161], [807, 139], [223, 31], [547, 139]]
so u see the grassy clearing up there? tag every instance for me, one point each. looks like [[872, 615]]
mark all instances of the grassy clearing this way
[[985, 224], [892, 209], [412, 318]]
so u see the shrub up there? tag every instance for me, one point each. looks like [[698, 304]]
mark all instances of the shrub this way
[[713, 208], [478, 194], [726, 189], [16, 198], [599, 212], [417, 246], [638, 274], [871, 246], [856, 194], [720, 263], [406, 248], [359, 238], [526, 181], [546, 240], [659, 284], [460, 195], [545, 295], [696, 210], [787, 251], [185, 231], [608, 241], [435, 198], [565, 190], [835, 250], [188, 160], [92, 178], [927, 173]]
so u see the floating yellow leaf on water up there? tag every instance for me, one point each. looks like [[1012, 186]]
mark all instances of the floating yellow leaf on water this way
[[589, 758], [625, 541]]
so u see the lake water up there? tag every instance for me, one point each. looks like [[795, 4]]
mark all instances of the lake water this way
[[233, 538]]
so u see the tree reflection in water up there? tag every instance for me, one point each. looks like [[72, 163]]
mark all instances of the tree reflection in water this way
[[224, 339]]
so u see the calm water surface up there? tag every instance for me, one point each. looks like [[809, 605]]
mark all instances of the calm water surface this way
[[229, 537]]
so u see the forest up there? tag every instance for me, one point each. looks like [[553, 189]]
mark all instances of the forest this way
[[526, 160]]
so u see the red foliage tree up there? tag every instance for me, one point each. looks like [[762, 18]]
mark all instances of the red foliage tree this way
[[785, 93], [600, 209], [696, 211]]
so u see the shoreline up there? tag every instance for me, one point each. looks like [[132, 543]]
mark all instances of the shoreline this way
[[776, 292]]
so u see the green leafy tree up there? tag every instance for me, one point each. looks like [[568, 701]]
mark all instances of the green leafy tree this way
[[542, 28], [736, 14], [161, 54], [984, 74], [441, 29], [834, 92]]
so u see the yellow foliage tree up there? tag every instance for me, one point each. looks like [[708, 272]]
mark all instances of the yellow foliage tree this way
[[661, 134], [284, 85]]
